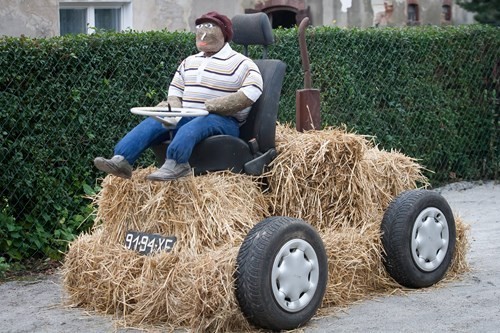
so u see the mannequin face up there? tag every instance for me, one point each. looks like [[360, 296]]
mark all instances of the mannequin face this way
[[209, 38]]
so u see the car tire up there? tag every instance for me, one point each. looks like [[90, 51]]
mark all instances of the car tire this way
[[281, 273], [418, 237]]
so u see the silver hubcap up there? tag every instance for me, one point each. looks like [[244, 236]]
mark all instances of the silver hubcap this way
[[430, 238], [295, 275]]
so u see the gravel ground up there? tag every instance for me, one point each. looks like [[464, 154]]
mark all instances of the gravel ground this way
[[36, 304]]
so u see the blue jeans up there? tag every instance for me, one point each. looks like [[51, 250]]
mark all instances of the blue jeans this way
[[188, 133]]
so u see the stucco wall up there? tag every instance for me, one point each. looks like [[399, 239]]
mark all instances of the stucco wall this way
[[461, 16], [161, 14], [181, 14], [430, 12], [41, 18], [30, 18]]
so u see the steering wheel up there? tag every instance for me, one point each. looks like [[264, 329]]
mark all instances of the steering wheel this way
[[162, 114]]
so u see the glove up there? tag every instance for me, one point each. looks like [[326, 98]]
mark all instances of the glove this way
[[229, 104], [173, 102]]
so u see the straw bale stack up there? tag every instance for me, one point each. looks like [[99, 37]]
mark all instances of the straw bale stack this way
[[192, 285], [203, 212], [337, 181], [179, 289], [334, 179]]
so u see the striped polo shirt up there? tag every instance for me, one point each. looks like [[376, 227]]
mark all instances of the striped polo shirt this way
[[199, 78]]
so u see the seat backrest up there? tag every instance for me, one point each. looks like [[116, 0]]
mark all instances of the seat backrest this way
[[255, 29], [261, 121]]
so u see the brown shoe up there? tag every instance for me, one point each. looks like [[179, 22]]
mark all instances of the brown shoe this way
[[117, 166]]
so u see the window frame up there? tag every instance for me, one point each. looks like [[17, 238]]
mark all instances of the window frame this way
[[447, 11], [91, 6], [414, 5]]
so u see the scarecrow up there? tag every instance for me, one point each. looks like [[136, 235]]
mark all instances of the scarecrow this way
[[217, 79], [334, 212]]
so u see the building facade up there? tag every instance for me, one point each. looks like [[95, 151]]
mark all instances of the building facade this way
[[47, 18]]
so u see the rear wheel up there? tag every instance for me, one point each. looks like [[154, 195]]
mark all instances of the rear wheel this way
[[418, 238], [281, 273]]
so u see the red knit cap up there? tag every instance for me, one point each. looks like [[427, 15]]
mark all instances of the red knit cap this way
[[221, 20]]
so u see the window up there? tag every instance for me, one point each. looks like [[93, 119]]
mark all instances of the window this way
[[85, 17], [72, 21], [412, 14], [108, 19], [447, 12]]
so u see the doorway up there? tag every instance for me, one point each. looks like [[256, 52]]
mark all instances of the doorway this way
[[282, 18]]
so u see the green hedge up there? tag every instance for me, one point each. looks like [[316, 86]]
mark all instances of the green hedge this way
[[437, 101], [430, 92], [63, 102]]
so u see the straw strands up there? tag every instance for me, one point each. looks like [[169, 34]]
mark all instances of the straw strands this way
[[339, 182], [203, 212], [180, 289], [331, 178]]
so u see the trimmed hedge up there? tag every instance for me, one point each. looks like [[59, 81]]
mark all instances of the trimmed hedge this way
[[430, 92], [63, 102]]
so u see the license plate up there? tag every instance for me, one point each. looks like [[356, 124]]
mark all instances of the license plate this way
[[145, 243]]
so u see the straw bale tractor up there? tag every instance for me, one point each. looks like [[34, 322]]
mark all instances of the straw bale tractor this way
[[285, 267]]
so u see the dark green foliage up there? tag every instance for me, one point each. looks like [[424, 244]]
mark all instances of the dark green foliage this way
[[64, 101], [487, 11], [430, 92]]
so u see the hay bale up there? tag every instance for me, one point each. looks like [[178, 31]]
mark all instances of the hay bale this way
[[203, 212], [334, 179], [460, 265], [355, 268], [174, 289], [191, 286], [337, 181], [390, 174], [342, 184]]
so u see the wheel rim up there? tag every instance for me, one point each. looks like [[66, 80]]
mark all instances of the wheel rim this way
[[295, 275], [430, 238]]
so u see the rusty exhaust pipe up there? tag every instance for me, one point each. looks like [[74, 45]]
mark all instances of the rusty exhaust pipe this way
[[307, 100]]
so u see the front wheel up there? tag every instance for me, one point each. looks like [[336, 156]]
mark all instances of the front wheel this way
[[418, 236], [281, 273]]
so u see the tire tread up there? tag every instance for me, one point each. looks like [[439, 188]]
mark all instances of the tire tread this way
[[397, 225], [253, 298]]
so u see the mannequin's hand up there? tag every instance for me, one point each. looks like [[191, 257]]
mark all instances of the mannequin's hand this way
[[229, 104]]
